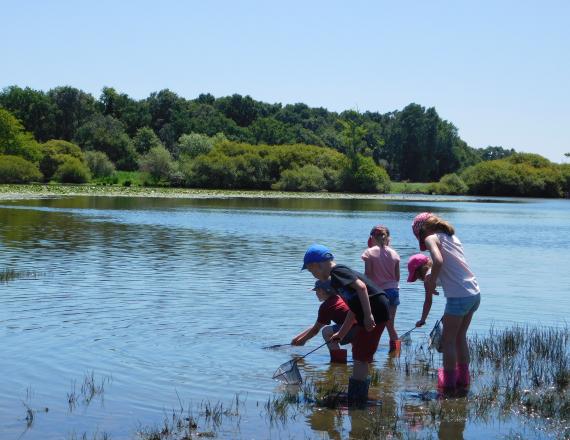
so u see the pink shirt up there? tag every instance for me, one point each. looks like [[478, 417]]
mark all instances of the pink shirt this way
[[382, 266]]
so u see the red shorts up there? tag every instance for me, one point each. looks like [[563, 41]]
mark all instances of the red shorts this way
[[364, 344]]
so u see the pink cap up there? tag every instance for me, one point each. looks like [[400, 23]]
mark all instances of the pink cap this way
[[417, 227], [416, 261]]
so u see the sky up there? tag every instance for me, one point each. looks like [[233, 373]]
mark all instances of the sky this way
[[498, 70]]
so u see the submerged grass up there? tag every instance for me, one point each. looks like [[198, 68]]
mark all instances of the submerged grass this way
[[8, 274]]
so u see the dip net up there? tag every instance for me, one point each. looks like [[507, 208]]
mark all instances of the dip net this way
[[288, 373]]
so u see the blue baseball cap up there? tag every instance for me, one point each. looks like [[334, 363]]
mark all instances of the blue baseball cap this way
[[317, 253], [325, 285]]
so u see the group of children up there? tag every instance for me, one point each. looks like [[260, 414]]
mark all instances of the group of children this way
[[361, 305]]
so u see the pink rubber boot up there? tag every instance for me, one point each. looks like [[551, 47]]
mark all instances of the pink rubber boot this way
[[463, 378], [446, 379]]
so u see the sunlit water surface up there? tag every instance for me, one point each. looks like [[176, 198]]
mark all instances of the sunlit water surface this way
[[173, 299]]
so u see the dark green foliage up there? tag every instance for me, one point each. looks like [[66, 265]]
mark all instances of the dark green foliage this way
[[33, 108], [133, 114], [14, 169], [307, 178], [72, 108], [72, 170], [158, 164], [54, 153], [494, 153], [106, 134], [367, 177], [145, 139], [99, 164]]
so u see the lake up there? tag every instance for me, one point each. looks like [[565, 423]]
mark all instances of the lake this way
[[168, 302]]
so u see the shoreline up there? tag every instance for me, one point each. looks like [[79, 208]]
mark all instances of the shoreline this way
[[37, 191]]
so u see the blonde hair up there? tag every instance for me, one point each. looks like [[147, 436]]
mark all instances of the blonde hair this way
[[437, 224]]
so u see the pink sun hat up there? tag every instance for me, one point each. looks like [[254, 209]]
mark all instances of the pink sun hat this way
[[417, 224], [414, 263]]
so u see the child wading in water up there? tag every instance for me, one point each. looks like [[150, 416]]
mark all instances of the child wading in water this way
[[382, 266], [368, 309], [449, 267], [333, 308]]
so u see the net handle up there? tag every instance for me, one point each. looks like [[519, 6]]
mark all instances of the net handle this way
[[312, 351]]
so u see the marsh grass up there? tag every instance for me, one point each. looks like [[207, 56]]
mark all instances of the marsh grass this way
[[8, 274]]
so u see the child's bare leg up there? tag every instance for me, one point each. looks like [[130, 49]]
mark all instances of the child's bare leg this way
[[327, 333], [451, 326], [390, 324], [360, 370], [461, 341]]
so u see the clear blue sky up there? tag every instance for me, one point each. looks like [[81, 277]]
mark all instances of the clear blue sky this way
[[499, 70]]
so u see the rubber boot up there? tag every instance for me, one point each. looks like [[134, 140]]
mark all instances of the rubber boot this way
[[446, 379], [358, 392], [395, 345], [338, 356], [463, 378]]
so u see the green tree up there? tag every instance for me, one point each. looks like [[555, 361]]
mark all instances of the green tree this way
[[106, 134], [55, 153], [14, 140], [145, 139], [72, 170], [33, 108], [159, 164], [73, 108], [353, 138], [133, 114], [194, 144], [243, 110], [99, 164]]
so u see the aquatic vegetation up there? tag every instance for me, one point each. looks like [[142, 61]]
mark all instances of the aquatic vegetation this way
[[8, 274]]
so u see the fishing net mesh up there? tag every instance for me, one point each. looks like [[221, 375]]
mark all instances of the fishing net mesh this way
[[288, 373]]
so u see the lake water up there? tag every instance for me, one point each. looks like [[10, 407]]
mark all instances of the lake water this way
[[171, 300]]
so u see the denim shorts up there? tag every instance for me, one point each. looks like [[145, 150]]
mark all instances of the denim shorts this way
[[462, 306], [349, 336], [393, 296]]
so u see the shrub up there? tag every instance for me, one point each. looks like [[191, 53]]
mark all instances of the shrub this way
[[368, 177], [99, 164], [54, 153], [194, 144], [145, 139], [159, 164], [72, 170], [307, 178], [15, 169], [449, 184]]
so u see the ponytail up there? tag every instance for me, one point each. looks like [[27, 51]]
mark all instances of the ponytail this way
[[437, 224]]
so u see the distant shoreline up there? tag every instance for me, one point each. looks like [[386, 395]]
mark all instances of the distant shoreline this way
[[34, 191]]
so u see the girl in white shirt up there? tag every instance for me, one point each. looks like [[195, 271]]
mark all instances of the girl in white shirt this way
[[450, 269]]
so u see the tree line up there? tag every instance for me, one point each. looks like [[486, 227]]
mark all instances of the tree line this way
[[411, 144]]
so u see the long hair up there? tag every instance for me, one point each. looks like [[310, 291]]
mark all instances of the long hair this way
[[381, 234], [437, 224]]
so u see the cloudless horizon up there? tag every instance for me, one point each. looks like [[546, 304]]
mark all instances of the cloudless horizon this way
[[498, 71]]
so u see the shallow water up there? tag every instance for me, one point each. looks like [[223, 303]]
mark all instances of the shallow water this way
[[173, 299]]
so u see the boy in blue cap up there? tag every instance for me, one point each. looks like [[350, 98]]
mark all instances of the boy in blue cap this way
[[332, 309], [369, 309]]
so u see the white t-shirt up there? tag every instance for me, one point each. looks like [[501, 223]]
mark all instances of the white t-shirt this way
[[456, 278]]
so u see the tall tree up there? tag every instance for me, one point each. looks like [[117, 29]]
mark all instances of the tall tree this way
[[72, 108]]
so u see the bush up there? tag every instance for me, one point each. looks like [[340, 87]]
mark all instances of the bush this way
[[368, 177], [158, 164], [15, 169], [72, 170], [54, 153], [450, 184], [307, 178], [99, 164], [194, 144]]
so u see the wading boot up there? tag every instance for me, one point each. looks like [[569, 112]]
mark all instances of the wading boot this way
[[463, 379], [338, 356], [358, 392], [446, 379]]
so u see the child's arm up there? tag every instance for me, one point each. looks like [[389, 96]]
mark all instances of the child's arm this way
[[432, 245], [362, 292], [305, 335], [368, 271], [397, 271], [427, 306], [349, 321]]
